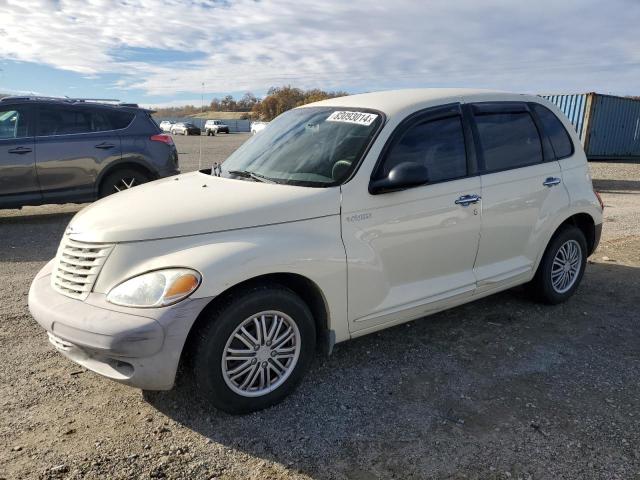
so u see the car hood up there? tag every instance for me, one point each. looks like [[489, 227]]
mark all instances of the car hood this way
[[195, 203]]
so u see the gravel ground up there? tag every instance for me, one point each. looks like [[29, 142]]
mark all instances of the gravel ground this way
[[501, 388]]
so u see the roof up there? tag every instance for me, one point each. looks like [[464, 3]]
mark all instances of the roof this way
[[394, 101], [88, 101]]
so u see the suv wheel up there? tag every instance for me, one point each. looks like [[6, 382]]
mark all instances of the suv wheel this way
[[121, 179], [562, 266], [210, 133], [254, 350]]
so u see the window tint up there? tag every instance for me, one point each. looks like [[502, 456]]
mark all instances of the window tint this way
[[13, 123], [554, 129], [436, 144], [66, 120], [508, 140]]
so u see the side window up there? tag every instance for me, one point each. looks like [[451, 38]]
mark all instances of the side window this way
[[508, 140], [66, 120], [120, 120], [554, 129], [63, 120], [436, 144], [13, 123]]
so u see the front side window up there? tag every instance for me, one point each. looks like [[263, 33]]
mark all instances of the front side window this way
[[508, 140], [13, 123], [435, 144], [554, 129], [313, 146]]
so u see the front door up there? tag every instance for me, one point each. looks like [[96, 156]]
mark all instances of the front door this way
[[18, 178], [412, 251]]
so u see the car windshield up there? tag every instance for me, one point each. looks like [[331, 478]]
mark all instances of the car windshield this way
[[312, 146]]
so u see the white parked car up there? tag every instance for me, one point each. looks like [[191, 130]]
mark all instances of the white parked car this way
[[166, 125], [258, 127], [344, 217], [212, 127]]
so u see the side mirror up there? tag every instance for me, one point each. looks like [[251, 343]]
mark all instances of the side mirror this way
[[402, 176]]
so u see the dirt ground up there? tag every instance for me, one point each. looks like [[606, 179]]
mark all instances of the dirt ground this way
[[502, 388]]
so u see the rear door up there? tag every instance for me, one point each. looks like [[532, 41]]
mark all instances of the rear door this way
[[521, 190], [18, 178], [74, 143]]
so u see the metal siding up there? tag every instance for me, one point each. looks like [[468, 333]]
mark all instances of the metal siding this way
[[615, 127], [608, 126], [574, 107]]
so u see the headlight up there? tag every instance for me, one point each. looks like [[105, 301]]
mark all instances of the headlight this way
[[156, 289]]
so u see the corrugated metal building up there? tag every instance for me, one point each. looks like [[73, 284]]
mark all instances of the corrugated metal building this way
[[608, 126]]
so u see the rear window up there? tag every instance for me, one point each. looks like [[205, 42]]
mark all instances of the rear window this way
[[67, 120], [508, 140], [554, 129]]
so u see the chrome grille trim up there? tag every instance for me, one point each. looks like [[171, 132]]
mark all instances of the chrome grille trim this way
[[77, 267]]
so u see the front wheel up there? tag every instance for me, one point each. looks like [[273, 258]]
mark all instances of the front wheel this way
[[562, 266], [254, 350]]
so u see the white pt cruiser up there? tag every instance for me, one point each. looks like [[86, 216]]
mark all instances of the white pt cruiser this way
[[343, 217]]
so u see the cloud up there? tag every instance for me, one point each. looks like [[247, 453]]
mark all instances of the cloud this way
[[168, 47]]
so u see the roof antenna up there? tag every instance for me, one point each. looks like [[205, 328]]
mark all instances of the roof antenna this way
[[201, 125]]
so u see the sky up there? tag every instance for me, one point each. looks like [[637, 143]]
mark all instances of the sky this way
[[162, 53]]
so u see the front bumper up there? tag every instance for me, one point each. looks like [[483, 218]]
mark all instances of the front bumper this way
[[137, 347]]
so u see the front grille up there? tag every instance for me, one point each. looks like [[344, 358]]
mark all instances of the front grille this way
[[77, 266]]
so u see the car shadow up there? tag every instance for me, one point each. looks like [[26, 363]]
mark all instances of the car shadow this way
[[438, 394], [615, 186]]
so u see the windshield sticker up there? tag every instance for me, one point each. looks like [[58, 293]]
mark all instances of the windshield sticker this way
[[359, 118]]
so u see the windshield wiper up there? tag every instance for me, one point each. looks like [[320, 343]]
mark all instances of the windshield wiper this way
[[253, 175]]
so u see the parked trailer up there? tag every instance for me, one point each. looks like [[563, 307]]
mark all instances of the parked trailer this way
[[608, 126]]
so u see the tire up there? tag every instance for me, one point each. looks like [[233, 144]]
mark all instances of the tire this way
[[214, 376], [554, 282], [173, 132], [121, 179], [186, 132]]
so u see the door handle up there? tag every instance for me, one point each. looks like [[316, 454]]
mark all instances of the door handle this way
[[466, 200], [20, 150], [551, 181], [105, 145]]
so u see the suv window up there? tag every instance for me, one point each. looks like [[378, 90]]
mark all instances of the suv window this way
[[554, 129], [508, 140], [436, 144], [13, 123], [66, 120]]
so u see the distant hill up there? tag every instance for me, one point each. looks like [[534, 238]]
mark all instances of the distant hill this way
[[222, 115]]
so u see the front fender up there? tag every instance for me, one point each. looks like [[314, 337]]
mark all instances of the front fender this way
[[310, 248]]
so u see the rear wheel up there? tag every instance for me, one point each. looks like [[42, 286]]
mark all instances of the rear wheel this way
[[122, 179], [254, 350], [562, 266]]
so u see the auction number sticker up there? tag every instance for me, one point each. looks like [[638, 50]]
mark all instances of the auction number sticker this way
[[359, 118]]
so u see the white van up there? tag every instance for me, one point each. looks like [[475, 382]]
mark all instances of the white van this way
[[344, 217]]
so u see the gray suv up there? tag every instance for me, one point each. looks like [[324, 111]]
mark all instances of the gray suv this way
[[72, 150]]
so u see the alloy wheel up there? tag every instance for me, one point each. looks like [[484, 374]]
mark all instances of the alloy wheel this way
[[566, 266], [261, 353]]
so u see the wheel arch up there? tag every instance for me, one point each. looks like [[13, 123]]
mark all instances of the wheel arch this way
[[586, 224], [113, 167], [582, 220], [304, 287]]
